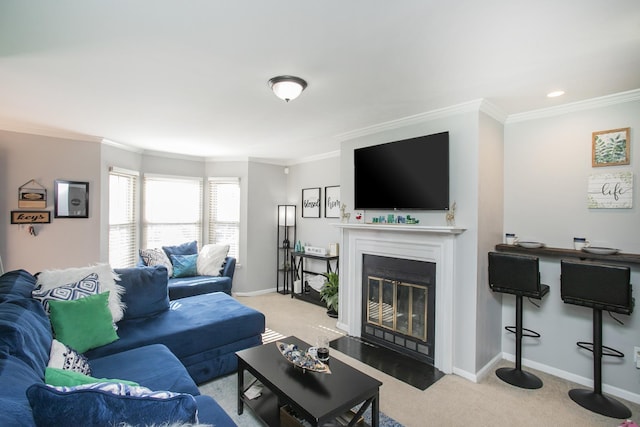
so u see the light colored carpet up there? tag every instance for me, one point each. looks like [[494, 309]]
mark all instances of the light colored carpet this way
[[452, 401]]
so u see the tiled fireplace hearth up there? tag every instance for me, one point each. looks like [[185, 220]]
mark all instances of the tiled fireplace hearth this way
[[421, 243]]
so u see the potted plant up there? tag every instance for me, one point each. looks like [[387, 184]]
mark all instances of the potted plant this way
[[329, 294]]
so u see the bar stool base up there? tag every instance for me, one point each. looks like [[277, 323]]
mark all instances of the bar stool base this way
[[599, 403], [519, 378]]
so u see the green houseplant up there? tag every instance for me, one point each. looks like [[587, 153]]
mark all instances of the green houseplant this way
[[329, 294]]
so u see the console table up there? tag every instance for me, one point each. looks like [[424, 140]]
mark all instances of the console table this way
[[298, 271], [571, 253]]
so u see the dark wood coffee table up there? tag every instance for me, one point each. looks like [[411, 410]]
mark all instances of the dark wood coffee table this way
[[316, 397]]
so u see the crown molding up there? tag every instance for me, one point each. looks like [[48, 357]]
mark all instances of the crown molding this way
[[315, 158], [603, 101], [122, 146], [462, 108], [28, 128]]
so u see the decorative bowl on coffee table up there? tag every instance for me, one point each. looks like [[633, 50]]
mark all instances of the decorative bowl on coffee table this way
[[302, 359]]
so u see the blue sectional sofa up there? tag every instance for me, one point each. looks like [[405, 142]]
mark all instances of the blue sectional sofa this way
[[182, 287], [162, 345]]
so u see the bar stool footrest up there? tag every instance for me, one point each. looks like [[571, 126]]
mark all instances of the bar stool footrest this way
[[599, 403], [606, 351], [519, 378], [525, 332]]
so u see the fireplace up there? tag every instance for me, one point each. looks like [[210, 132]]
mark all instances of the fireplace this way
[[398, 305], [432, 244]]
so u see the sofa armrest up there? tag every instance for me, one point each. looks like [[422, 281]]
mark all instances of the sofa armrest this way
[[229, 267]]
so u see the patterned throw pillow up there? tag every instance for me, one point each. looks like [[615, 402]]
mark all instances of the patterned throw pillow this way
[[64, 357], [49, 279], [99, 403], [156, 256], [89, 285]]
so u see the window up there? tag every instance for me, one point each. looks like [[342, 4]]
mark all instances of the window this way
[[224, 213], [172, 210], [123, 221]]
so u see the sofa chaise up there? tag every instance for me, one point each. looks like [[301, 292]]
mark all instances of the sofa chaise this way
[[182, 287], [162, 345]]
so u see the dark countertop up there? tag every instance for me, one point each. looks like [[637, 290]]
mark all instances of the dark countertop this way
[[624, 258]]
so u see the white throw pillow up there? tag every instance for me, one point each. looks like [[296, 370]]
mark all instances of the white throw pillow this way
[[50, 279], [211, 258]]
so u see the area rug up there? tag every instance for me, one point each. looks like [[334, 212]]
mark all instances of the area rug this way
[[224, 391]]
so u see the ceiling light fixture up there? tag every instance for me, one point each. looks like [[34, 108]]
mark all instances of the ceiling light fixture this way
[[287, 87], [555, 94]]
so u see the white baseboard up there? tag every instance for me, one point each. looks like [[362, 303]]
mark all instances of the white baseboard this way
[[482, 373], [254, 293], [578, 379]]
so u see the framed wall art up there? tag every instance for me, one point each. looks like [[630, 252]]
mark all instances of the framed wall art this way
[[32, 195], [71, 199], [332, 201], [610, 147], [610, 190], [311, 202]]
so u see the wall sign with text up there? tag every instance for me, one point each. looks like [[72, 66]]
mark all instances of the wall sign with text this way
[[332, 201], [610, 190], [311, 202], [30, 217]]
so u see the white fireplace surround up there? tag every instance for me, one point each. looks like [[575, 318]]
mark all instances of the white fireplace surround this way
[[421, 243]]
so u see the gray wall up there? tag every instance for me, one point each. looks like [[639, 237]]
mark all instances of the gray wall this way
[[547, 164], [66, 241]]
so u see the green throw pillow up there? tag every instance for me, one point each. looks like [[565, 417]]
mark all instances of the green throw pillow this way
[[64, 378], [184, 265], [84, 323]]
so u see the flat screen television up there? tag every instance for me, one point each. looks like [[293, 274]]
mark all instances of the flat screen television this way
[[408, 174]]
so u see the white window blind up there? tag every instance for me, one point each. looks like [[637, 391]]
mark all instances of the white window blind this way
[[224, 213], [123, 221], [172, 210]]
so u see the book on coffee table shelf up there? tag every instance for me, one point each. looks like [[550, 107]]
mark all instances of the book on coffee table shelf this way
[[288, 418]]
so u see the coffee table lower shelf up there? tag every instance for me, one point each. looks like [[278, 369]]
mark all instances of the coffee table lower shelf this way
[[267, 408]]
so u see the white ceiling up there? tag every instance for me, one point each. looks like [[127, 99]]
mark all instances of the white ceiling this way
[[190, 77]]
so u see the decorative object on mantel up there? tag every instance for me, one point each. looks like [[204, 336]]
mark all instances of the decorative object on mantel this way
[[610, 147], [311, 202], [451, 215], [71, 199], [610, 190], [344, 216], [32, 195], [302, 359], [332, 202]]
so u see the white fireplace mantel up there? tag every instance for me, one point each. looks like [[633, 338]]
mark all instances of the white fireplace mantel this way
[[439, 229], [417, 242]]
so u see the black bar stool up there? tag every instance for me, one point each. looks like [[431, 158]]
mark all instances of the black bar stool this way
[[599, 287], [518, 275]]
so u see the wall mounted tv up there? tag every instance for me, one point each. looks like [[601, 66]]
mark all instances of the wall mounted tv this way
[[408, 174]]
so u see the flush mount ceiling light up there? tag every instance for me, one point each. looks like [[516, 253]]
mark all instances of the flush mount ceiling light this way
[[287, 87]]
